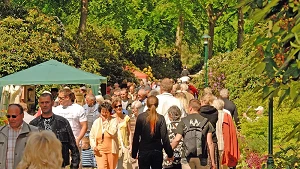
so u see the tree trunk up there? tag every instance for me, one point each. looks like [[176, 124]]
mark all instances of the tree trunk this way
[[211, 33], [83, 17], [179, 34], [6, 2], [213, 16], [240, 37], [211, 29]]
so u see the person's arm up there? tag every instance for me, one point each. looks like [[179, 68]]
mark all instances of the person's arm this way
[[165, 138], [211, 150], [136, 137], [130, 134], [248, 118], [236, 117], [75, 155], [92, 135], [83, 124], [176, 140], [82, 131], [112, 127]]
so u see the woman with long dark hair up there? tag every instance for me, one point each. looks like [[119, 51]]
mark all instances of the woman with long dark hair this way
[[150, 137]]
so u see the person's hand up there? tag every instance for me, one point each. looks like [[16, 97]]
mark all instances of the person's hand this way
[[102, 117], [96, 148], [77, 142], [213, 166], [129, 148], [170, 159], [245, 115]]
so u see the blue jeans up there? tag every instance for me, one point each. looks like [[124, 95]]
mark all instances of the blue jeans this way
[[153, 159]]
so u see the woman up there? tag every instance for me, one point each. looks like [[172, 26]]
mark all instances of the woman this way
[[104, 139], [211, 113], [183, 101], [150, 137], [227, 137], [43, 150], [124, 135]]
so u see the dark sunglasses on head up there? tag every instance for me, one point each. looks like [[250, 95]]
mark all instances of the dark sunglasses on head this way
[[12, 116], [118, 106]]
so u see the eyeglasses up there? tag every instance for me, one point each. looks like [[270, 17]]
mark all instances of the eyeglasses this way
[[12, 116], [118, 106], [61, 98]]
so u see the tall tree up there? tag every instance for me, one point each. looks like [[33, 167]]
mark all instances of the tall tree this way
[[240, 37], [213, 15], [83, 17]]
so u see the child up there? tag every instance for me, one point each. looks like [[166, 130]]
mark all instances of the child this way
[[174, 116], [87, 155]]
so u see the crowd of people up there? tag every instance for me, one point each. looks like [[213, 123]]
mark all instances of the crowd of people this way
[[164, 124]]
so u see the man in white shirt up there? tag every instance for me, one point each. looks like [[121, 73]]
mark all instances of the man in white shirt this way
[[73, 112], [166, 99]]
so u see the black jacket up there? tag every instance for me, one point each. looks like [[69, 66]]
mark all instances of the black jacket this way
[[144, 141], [63, 131], [230, 106], [211, 113]]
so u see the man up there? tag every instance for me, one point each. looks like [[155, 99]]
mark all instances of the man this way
[[195, 119], [259, 113], [229, 105], [62, 129], [142, 97], [27, 117], [116, 94], [13, 137], [126, 103], [185, 72], [166, 99], [91, 110], [73, 112]]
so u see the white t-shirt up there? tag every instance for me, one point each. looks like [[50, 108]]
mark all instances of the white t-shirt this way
[[74, 114], [165, 101]]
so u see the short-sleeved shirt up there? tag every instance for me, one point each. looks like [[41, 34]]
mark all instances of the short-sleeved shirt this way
[[74, 114], [194, 119]]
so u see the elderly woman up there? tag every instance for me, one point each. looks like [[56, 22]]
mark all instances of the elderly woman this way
[[104, 138], [124, 135]]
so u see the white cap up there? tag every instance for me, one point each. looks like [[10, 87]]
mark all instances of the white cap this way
[[46, 92], [259, 108]]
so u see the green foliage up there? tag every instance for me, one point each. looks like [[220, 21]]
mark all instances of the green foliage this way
[[100, 51], [256, 134], [27, 42], [233, 70], [278, 46]]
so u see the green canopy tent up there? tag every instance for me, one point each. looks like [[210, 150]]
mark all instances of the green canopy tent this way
[[53, 72]]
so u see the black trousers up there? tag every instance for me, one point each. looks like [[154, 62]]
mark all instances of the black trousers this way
[[153, 159]]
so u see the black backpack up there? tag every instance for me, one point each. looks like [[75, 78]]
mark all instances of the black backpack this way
[[193, 138]]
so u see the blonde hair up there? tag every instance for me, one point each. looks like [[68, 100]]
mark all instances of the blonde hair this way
[[183, 100], [218, 104], [43, 150]]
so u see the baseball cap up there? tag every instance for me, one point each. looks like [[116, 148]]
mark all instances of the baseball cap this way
[[259, 108]]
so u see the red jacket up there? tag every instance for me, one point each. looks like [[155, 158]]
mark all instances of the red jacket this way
[[231, 152]]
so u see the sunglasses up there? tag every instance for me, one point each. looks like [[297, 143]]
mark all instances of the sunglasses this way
[[118, 106], [12, 116]]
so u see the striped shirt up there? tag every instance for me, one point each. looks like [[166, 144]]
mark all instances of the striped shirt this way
[[88, 158], [12, 139]]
